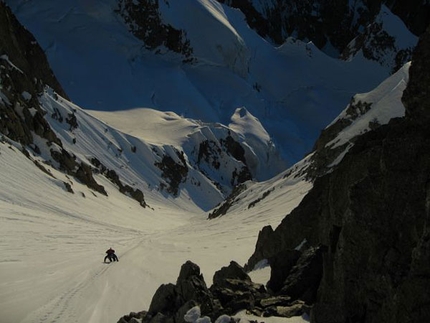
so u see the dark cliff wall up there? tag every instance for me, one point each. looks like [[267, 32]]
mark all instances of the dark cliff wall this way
[[323, 21], [374, 221], [23, 69], [372, 215], [416, 95]]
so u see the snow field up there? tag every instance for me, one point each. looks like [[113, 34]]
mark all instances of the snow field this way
[[53, 245]]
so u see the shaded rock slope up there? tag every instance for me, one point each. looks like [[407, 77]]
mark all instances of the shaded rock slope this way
[[371, 217], [27, 83]]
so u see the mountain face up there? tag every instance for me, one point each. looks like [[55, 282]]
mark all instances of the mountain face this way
[[370, 217], [24, 75], [200, 60]]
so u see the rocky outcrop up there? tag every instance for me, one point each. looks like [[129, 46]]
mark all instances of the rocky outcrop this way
[[223, 208], [231, 292], [325, 153], [110, 174], [171, 302], [235, 290], [173, 171], [144, 21], [212, 154]]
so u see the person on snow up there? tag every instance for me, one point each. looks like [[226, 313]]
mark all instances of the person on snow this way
[[110, 254]]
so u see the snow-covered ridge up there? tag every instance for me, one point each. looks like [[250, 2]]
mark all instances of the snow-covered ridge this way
[[365, 112], [136, 156], [373, 108]]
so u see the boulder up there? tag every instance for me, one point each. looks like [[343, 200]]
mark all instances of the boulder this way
[[235, 290]]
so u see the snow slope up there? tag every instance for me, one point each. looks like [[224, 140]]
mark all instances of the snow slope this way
[[53, 244], [294, 90]]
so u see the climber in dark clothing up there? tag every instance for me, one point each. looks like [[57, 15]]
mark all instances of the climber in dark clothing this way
[[110, 254]]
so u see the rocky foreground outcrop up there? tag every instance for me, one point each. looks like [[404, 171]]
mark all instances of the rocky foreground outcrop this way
[[232, 291]]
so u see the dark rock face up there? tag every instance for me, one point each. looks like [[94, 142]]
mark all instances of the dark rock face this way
[[371, 215], [19, 44], [320, 22], [373, 233], [334, 24], [414, 13], [416, 96], [174, 172], [23, 69], [144, 21], [304, 278], [281, 265]]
